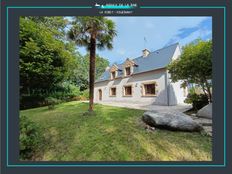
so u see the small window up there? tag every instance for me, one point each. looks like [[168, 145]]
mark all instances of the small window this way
[[128, 90], [113, 91], [113, 75], [149, 89], [128, 71]]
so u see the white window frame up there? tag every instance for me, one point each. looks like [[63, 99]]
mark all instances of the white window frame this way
[[111, 91], [124, 90], [143, 89]]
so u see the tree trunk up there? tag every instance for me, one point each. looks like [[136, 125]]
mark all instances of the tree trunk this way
[[203, 88], [208, 90], [92, 71]]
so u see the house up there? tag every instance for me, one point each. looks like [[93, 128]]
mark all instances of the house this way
[[144, 79]]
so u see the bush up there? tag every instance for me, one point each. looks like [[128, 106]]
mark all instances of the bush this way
[[74, 91], [198, 101], [85, 95], [58, 95], [51, 102], [66, 92], [31, 101], [29, 138]]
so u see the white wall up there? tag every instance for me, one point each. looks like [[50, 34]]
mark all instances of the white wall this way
[[136, 81], [176, 53], [167, 92], [176, 93]]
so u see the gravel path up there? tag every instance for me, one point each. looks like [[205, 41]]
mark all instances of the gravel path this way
[[158, 108]]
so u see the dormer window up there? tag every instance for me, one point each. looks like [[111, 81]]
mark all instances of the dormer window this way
[[114, 72], [113, 75], [129, 67], [128, 71]]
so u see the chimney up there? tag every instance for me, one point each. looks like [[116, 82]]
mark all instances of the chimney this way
[[146, 52]]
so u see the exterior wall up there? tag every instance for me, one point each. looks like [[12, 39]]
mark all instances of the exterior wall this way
[[167, 93], [177, 94], [176, 53], [136, 80]]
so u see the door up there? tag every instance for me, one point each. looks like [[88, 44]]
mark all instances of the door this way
[[100, 94]]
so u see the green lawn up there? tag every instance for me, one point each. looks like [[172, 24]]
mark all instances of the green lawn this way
[[112, 134]]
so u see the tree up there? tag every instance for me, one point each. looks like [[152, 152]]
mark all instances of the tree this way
[[80, 74], [56, 24], [45, 60], [92, 32], [194, 66]]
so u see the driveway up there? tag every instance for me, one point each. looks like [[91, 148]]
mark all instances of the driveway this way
[[173, 109]]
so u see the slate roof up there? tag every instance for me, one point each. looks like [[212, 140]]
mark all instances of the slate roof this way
[[155, 60]]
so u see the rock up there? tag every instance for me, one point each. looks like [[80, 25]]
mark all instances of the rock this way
[[148, 127], [204, 121], [205, 112], [171, 121]]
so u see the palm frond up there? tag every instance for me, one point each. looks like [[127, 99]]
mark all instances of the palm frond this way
[[83, 28]]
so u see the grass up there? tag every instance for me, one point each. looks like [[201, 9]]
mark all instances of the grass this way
[[111, 134]]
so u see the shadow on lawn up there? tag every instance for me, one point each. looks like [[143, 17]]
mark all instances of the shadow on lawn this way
[[114, 134]]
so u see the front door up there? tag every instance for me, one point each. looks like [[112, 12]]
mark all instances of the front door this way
[[100, 94]]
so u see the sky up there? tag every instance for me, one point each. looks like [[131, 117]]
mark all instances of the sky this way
[[137, 33]]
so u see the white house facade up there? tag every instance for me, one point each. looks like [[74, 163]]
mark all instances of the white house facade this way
[[142, 80]]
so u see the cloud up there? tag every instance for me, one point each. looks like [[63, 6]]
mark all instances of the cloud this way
[[159, 31], [187, 34]]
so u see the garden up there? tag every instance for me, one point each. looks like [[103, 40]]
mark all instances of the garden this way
[[66, 133], [60, 122]]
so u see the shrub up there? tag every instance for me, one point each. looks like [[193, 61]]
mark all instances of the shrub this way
[[57, 95], [198, 101], [66, 92], [77, 98], [31, 101], [85, 95], [29, 138], [51, 102], [74, 91], [38, 98]]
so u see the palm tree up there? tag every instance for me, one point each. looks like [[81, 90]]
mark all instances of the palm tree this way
[[92, 32]]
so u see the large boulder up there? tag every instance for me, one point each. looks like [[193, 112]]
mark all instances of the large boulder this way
[[171, 121], [205, 112]]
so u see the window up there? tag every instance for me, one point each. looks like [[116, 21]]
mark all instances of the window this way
[[149, 89], [113, 91], [127, 71], [127, 90], [113, 75]]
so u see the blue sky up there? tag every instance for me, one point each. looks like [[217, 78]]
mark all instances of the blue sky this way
[[158, 33]]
